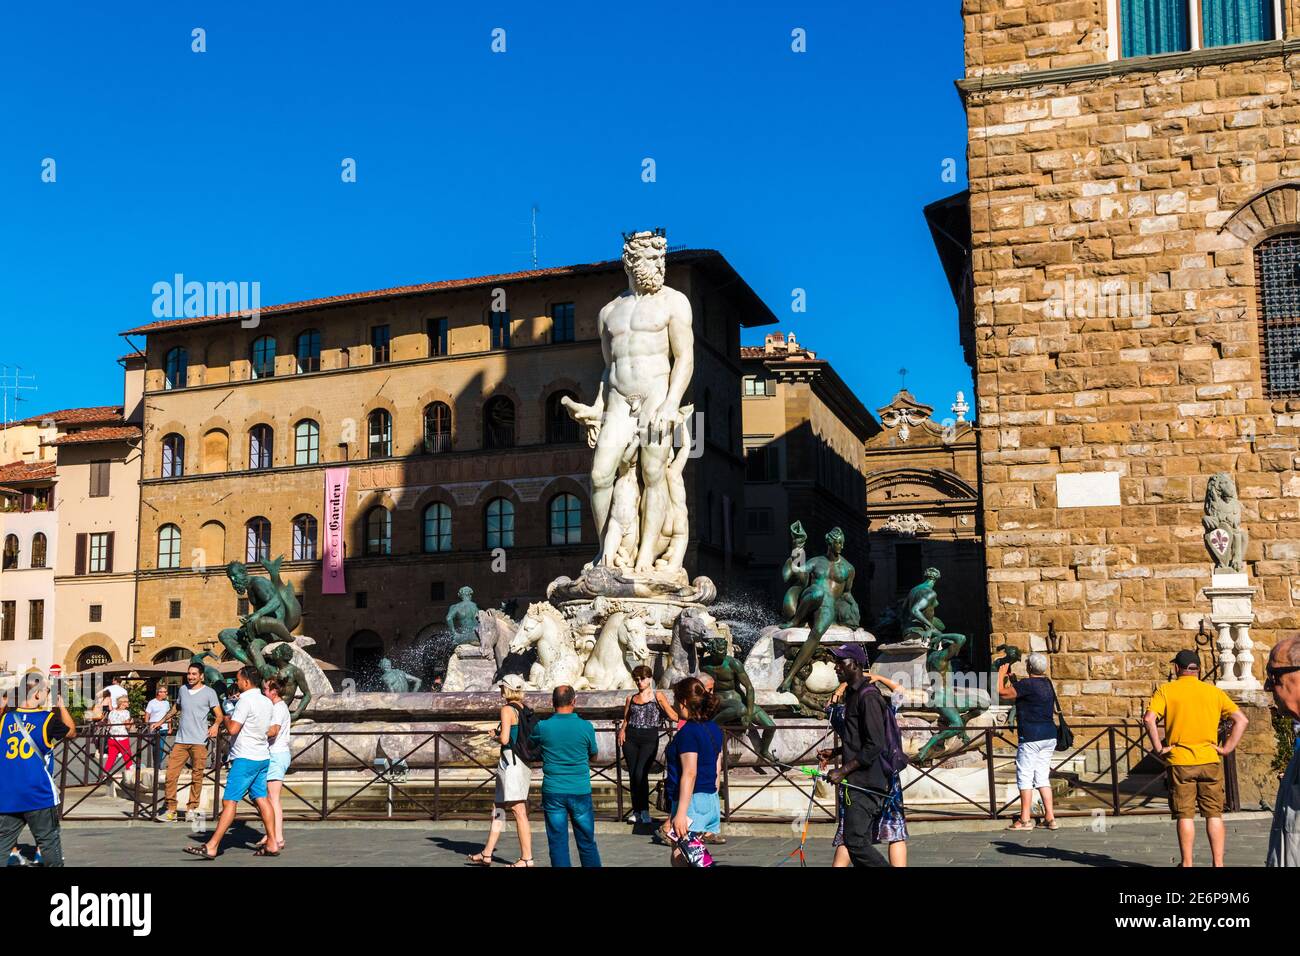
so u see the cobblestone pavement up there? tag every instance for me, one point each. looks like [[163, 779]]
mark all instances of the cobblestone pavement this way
[[1149, 843]]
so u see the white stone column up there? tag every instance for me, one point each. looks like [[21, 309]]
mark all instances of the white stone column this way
[[1246, 679]]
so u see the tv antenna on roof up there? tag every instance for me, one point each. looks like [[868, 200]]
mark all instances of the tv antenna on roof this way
[[11, 380], [902, 379]]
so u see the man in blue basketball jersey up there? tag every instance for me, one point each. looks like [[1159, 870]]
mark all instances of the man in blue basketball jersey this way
[[28, 795]]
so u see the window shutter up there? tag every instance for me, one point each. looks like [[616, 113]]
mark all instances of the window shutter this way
[[108, 554], [80, 567], [769, 386]]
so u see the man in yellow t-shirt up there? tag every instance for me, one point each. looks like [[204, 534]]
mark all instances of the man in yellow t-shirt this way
[[1192, 710]]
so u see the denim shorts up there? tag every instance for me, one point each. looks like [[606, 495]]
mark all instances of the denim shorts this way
[[246, 778], [279, 765], [704, 813]]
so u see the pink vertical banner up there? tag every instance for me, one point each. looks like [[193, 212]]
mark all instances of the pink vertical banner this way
[[336, 496]]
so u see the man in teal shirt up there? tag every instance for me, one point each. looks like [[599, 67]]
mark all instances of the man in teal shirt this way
[[567, 743]]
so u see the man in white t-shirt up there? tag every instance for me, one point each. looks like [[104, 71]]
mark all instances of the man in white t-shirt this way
[[155, 713], [114, 691], [250, 758], [281, 754]]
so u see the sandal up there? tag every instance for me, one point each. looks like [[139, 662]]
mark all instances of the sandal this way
[[1021, 825], [200, 851], [263, 851], [480, 859], [523, 862], [1051, 824]]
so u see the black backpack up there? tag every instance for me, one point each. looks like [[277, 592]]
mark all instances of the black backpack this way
[[892, 755], [523, 745]]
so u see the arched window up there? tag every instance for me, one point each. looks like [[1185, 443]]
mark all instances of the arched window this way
[[216, 452], [561, 429], [1277, 272], [176, 368], [379, 531], [437, 428], [304, 538], [260, 441], [380, 434], [307, 350], [212, 545], [306, 442], [499, 526], [262, 356], [566, 520], [173, 456], [39, 546], [169, 546], [11, 552], [257, 540], [437, 527], [499, 423]]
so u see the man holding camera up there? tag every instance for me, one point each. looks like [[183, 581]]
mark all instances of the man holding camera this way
[[28, 796]]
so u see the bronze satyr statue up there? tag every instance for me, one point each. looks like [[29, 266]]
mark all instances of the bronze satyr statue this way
[[823, 583], [921, 623], [462, 619], [397, 681], [275, 611], [1225, 538], [738, 702], [278, 663]]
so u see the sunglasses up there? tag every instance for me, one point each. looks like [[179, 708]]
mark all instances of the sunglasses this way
[[1273, 673]]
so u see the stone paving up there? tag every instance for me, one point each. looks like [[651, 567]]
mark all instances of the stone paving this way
[[1146, 843]]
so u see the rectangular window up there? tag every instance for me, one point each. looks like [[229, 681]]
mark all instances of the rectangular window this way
[[438, 337], [761, 463], [758, 520], [379, 344], [1277, 290], [562, 322], [1227, 22], [174, 610], [437, 591], [99, 479], [1154, 26], [499, 326], [361, 599], [8, 613], [241, 606], [908, 567], [35, 620], [101, 561], [96, 613]]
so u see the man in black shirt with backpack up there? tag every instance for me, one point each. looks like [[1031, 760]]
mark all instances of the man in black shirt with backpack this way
[[862, 776]]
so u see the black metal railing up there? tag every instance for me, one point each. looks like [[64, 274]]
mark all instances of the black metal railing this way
[[451, 774]]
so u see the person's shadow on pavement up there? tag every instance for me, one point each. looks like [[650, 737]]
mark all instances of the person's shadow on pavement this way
[[1079, 857], [462, 848]]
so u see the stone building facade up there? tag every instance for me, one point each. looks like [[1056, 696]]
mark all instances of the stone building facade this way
[[442, 402], [1127, 289], [923, 511], [804, 434]]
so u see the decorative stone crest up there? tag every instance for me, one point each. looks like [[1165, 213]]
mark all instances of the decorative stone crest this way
[[1225, 538], [912, 524]]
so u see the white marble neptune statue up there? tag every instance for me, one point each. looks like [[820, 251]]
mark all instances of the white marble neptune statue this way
[[648, 344]]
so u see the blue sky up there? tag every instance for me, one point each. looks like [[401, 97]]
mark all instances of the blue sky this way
[[806, 170]]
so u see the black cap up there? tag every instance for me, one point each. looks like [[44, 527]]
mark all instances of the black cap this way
[[851, 651], [1186, 659]]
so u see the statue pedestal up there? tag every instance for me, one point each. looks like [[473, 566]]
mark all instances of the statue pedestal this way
[[1231, 614], [904, 663], [765, 663], [469, 669]]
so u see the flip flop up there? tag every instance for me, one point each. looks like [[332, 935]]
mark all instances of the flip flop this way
[[263, 851], [200, 851]]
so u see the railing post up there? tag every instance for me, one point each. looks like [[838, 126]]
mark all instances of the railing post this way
[[988, 759], [1114, 771], [135, 787], [726, 777], [216, 776], [63, 774], [325, 777], [618, 772], [437, 775]]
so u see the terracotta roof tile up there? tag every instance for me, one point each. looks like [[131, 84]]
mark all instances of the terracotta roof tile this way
[[103, 433], [447, 284], [20, 471], [75, 416]]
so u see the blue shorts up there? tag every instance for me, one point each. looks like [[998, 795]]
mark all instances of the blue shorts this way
[[279, 765], [704, 813], [246, 778]]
